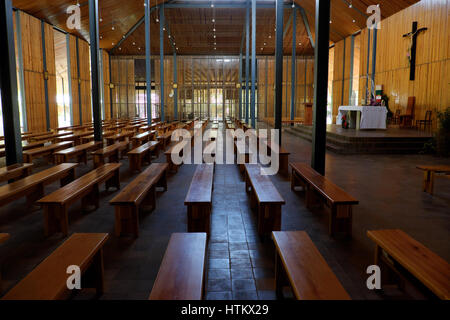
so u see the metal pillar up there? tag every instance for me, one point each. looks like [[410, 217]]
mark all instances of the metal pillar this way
[[279, 66], [175, 90], [161, 61], [44, 61], [8, 86], [293, 64], [80, 106], [95, 79], [247, 60], [320, 85], [253, 101], [240, 86], [148, 62]]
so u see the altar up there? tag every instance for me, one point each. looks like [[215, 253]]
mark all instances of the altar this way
[[367, 117]]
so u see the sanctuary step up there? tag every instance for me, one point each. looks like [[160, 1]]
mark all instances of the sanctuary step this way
[[390, 141]]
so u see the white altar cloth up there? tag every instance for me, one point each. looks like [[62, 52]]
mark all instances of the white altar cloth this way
[[368, 117]]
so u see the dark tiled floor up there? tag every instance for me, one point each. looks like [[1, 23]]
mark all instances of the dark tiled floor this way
[[240, 266]]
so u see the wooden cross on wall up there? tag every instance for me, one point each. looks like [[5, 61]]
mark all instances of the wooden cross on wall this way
[[413, 35]]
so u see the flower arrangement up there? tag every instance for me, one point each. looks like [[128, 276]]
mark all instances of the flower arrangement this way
[[345, 123]]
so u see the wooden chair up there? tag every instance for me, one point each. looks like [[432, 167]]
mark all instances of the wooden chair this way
[[406, 120], [427, 122], [396, 118]]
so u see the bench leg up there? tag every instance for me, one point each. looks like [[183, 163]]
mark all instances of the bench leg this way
[[94, 275], [114, 158], [91, 199], [199, 218], [269, 218], [149, 203], [56, 219], [341, 220], [98, 161], [280, 277], [68, 178], [114, 181], [162, 183], [428, 182], [127, 220], [284, 165], [38, 193]]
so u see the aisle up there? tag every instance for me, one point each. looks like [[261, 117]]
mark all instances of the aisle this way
[[239, 265]]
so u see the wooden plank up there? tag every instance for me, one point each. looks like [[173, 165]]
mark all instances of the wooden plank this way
[[201, 187], [263, 187], [4, 237], [181, 275], [322, 185], [20, 170], [309, 275], [48, 280], [421, 262]]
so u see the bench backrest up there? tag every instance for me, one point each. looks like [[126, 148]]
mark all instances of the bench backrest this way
[[200, 190], [310, 276], [181, 274], [136, 190], [48, 280], [425, 265]]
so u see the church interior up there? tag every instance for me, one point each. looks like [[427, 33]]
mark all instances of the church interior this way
[[345, 99]]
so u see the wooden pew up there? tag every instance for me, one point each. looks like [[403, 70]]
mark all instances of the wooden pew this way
[[144, 152], [56, 204], [137, 194], [29, 155], [180, 145], [164, 140], [428, 175], [142, 138], [87, 139], [118, 137], [397, 252], [181, 275], [80, 152], [265, 197], [33, 185], [111, 152], [15, 172], [75, 137], [300, 265], [283, 158], [48, 281], [321, 190], [199, 199], [243, 154]]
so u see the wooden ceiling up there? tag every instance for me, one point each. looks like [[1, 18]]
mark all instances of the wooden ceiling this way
[[192, 28]]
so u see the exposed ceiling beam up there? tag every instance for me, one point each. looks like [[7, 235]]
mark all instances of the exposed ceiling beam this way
[[306, 23]]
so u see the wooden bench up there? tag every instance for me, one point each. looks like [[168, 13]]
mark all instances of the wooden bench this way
[[87, 187], [164, 140], [181, 275], [428, 175], [48, 281], [46, 151], [111, 152], [25, 146], [142, 153], [142, 138], [139, 193], [265, 198], [283, 157], [399, 254], [15, 172], [301, 266], [80, 152], [244, 155], [321, 190], [199, 199], [75, 137], [177, 146], [118, 137], [33, 185], [87, 139]]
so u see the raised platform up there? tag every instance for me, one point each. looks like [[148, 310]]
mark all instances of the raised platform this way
[[350, 141]]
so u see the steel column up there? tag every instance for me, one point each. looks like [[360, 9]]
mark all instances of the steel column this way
[[247, 60], [148, 62], [293, 57], [161, 60], [279, 66], [240, 86], [8, 86], [253, 97], [320, 85], [44, 61], [175, 90], [95, 79]]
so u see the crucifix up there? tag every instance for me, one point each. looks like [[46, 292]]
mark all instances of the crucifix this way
[[412, 54]]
